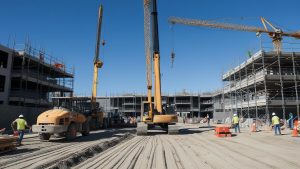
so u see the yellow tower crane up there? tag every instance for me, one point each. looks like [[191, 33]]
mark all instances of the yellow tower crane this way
[[276, 33]]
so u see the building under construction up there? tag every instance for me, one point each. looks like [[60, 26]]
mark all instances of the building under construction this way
[[28, 79], [266, 82], [186, 105]]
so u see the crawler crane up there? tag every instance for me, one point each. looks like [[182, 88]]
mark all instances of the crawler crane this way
[[153, 116]]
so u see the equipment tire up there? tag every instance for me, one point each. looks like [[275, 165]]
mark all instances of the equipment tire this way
[[72, 132], [86, 128], [44, 136]]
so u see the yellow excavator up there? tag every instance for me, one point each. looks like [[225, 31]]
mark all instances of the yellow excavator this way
[[154, 115]]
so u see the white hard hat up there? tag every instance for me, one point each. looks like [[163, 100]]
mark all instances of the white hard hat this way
[[273, 114], [21, 115], [234, 114]]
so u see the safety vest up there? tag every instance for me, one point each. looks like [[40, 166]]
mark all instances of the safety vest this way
[[235, 120], [21, 123], [275, 120]]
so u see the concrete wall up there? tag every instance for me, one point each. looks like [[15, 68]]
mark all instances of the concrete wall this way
[[7, 73], [9, 113]]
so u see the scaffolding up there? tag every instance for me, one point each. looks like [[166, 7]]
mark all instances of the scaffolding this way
[[266, 82], [38, 76]]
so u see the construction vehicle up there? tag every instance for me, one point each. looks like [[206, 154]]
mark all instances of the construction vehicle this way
[[65, 119], [276, 34], [154, 115], [74, 114]]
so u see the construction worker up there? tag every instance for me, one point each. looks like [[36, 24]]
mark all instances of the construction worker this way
[[235, 122], [208, 120], [21, 124], [275, 123]]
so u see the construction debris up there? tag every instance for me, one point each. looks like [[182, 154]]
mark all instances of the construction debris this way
[[7, 143]]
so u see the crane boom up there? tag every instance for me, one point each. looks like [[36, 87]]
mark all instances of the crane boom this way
[[276, 34], [147, 36], [205, 23], [156, 59], [97, 62], [212, 24]]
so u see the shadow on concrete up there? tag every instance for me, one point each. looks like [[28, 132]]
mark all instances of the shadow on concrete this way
[[95, 135], [193, 131], [20, 151], [153, 133], [204, 127]]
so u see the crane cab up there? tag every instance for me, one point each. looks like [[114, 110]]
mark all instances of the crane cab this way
[[152, 120]]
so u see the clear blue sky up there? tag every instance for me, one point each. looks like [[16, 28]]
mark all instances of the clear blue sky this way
[[67, 28]]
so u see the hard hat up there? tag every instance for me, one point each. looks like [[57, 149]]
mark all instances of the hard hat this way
[[273, 114], [234, 114], [21, 116]]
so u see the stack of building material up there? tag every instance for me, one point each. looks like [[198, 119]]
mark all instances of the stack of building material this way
[[8, 143]]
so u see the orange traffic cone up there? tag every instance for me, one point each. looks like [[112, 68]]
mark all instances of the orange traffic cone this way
[[253, 127], [295, 132]]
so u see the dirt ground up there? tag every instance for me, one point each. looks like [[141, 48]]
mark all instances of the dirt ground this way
[[198, 148], [57, 152], [194, 147]]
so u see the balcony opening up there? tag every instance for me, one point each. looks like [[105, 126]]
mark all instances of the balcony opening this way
[[3, 59], [2, 83]]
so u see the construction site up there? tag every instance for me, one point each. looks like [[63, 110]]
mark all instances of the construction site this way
[[250, 121]]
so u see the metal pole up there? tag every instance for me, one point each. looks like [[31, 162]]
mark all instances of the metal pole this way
[[247, 91], [241, 91], [265, 87], [255, 93], [296, 83], [281, 87], [235, 92]]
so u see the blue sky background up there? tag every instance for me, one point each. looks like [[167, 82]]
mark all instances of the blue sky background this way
[[67, 28]]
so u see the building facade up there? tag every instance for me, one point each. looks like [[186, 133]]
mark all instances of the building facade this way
[[187, 105], [28, 79]]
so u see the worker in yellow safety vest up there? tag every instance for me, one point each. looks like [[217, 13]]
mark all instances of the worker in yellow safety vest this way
[[21, 124], [276, 124], [235, 122]]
